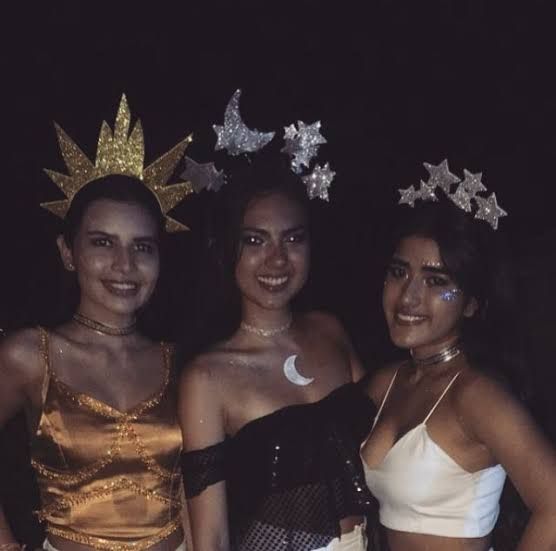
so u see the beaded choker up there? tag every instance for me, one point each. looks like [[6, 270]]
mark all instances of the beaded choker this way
[[443, 356], [103, 328], [265, 332]]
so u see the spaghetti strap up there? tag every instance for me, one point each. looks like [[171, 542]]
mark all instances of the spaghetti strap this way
[[384, 400], [441, 396], [44, 350]]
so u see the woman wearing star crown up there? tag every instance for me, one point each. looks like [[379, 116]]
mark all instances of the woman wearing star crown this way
[[448, 430], [98, 395], [270, 416]]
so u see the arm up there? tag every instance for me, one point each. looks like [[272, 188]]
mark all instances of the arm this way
[[498, 421], [19, 372], [202, 423]]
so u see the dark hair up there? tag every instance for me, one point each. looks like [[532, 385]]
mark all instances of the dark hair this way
[[219, 299], [478, 260], [116, 187]]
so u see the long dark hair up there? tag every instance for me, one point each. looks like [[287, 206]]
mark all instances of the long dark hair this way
[[219, 300]]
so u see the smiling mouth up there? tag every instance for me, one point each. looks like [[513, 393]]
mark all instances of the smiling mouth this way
[[273, 283], [121, 288], [408, 319]]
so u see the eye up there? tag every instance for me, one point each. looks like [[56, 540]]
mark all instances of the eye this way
[[250, 239], [101, 242], [298, 237], [436, 281], [148, 248], [395, 272]]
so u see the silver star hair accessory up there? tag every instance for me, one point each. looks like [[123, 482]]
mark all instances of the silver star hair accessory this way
[[489, 210], [203, 175], [472, 183], [302, 144], [441, 176], [319, 181], [234, 135], [426, 192], [461, 198], [408, 196]]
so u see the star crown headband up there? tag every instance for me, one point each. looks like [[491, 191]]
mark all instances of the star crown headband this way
[[465, 195], [120, 152], [301, 143]]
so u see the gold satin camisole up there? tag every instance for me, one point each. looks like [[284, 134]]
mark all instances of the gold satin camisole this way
[[108, 479]]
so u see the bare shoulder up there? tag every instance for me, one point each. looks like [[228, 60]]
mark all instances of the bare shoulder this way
[[379, 380], [206, 368], [475, 388], [20, 355]]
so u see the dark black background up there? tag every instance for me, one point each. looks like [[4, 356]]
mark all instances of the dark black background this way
[[395, 83]]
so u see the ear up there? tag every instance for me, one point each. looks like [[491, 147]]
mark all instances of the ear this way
[[471, 308], [65, 254]]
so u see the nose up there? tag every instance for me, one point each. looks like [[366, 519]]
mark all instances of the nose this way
[[124, 260], [278, 256], [412, 293]]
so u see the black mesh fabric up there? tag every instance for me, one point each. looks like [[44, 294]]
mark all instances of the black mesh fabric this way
[[291, 476]]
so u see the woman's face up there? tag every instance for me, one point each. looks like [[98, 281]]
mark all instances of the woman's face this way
[[424, 307], [273, 262], [116, 257]]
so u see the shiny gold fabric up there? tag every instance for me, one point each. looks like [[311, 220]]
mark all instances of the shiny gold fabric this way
[[108, 479]]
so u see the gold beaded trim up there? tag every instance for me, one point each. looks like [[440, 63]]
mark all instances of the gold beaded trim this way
[[106, 545], [70, 500]]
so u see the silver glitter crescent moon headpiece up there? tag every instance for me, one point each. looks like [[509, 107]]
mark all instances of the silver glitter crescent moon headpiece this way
[[466, 193], [301, 143]]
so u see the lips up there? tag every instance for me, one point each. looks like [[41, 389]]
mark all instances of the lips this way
[[121, 288], [408, 319], [273, 283]]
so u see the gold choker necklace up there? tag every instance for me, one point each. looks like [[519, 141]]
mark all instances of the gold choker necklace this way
[[103, 328], [444, 356], [265, 332]]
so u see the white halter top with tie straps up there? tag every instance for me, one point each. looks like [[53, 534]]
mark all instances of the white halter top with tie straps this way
[[422, 490]]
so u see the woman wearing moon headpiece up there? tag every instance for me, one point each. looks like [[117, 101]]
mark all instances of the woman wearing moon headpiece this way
[[270, 414], [448, 430], [99, 396]]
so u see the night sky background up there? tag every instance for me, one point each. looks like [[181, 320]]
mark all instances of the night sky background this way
[[395, 83]]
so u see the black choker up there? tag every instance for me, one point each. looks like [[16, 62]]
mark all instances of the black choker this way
[[444, 356], [103, 328]]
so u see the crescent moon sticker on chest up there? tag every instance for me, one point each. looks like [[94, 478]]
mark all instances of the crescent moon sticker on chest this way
[[292, 375]]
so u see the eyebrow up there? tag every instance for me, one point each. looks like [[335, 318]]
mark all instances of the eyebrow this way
[[93, 233], [425, 267], [261, 231]]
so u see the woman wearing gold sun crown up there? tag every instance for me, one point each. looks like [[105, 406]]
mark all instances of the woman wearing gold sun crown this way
[[98, 396]]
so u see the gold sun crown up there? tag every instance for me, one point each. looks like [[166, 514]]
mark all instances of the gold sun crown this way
[[120, 152]]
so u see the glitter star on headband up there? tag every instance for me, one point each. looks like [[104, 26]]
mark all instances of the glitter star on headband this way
[[466, 193], [120, 152]]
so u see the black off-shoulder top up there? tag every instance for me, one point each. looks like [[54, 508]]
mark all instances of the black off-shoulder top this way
[[292, 475]]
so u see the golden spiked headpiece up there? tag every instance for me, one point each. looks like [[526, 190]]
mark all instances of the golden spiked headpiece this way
[[120, 152]]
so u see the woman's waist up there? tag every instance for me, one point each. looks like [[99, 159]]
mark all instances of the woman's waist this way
[[407, 541], [170, 537]]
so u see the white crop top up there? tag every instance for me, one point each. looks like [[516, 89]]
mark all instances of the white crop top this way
[[421, 489]]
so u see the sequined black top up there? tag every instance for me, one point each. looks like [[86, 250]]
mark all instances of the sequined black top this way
[[292, 475]]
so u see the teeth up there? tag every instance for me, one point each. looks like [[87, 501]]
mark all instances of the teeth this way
[[405, 317], [123, 286], [273, 280]]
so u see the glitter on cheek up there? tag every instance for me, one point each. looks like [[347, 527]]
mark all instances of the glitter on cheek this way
[[450, 295]]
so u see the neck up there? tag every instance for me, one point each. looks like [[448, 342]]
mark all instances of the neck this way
[[115, 328], [267, 322], [438, 355]]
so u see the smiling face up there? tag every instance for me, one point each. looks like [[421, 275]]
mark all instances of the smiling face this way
[[116, 257], [423, 305], [273, 261]]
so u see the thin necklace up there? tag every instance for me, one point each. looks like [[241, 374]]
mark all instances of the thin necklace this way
[[443, 356], [102, 327], [265, 332]]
